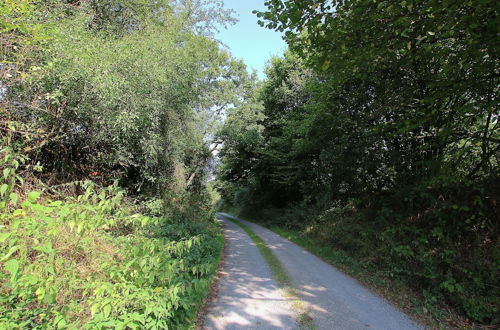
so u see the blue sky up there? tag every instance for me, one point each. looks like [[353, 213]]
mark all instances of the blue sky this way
[[247, 40]]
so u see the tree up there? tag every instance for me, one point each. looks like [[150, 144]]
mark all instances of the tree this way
[[123, 90], [430, 65]]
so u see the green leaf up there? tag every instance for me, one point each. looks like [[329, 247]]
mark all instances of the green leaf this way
[[51, 296], [4, 236], [56, 204], [12, 250], [107, 310], [325, 65], [94, 309], [3, 189], [12, 266], [14, 198], [46, 248], [33, 196], [40, 293]]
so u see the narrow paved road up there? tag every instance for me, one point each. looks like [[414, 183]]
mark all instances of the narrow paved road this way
[[335, 300], [248, 297]]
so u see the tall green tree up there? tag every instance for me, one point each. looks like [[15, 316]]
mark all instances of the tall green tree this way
[[427, 68], [125, 90]]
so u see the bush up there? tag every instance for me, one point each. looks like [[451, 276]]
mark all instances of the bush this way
[[92, 262], [445, 250]]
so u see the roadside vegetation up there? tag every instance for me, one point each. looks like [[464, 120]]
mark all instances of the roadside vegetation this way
[[107, 110], [96, 261], [377, 135]]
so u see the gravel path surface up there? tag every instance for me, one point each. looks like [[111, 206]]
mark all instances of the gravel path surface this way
[[248, 297], [335, 300]]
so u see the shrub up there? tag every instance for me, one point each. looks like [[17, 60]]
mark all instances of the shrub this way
[[93, 262]]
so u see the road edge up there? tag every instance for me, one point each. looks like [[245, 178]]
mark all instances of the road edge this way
[[213, 290]]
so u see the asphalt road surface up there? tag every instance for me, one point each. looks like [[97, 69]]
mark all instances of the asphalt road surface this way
[[249, 298]]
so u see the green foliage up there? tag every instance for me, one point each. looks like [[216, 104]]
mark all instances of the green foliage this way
[[387, 109], [113, 91], [120, 90], [204, 16], [13, 13], [92, 262]]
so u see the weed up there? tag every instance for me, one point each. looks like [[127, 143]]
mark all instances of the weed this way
[[92, 262]]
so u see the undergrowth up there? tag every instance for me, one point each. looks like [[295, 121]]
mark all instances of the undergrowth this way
[[349, 246], [97, 262]]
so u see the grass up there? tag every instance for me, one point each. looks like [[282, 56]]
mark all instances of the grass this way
[[300, 307]]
